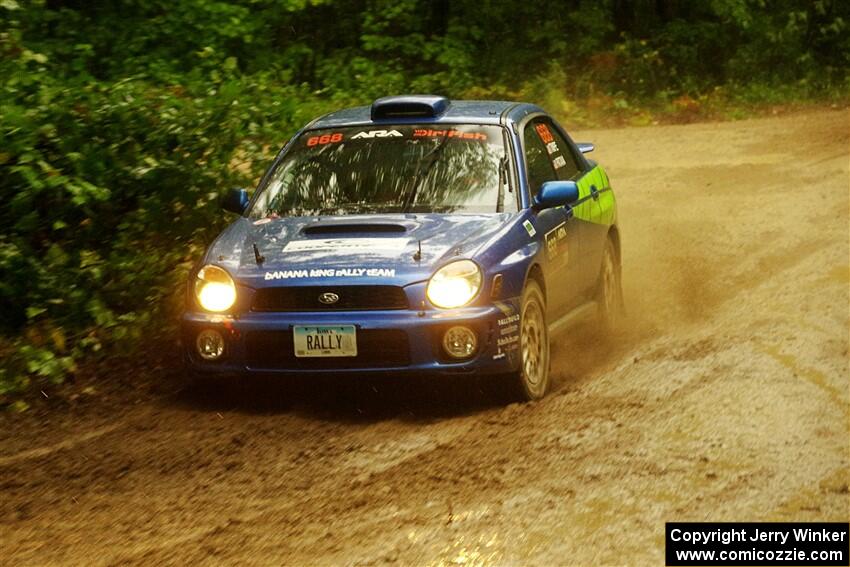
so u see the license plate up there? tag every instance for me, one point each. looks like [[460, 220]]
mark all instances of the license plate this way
[[325, 340]]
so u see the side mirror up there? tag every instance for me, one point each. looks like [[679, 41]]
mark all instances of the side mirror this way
[[585, 147], [236, 201], [556, 194]]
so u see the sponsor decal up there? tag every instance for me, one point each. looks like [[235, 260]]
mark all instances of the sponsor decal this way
[[552, 147], [324, 139], [508, 320], [556, 243], [508, 342], [369, 245], [377, 134], [544, 133], [559, 162], [331, 273], [426, 133], [529, 228]]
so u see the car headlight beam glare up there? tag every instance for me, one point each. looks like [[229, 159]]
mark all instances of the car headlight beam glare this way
[[214, 289], [454, 285]]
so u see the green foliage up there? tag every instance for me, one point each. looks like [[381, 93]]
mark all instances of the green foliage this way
[[122, 121]]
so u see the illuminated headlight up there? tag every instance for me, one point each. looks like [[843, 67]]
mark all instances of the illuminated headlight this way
[[455, 284], [215, 289]]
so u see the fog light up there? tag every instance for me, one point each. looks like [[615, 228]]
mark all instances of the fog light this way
[[460, 342], [210, 344]]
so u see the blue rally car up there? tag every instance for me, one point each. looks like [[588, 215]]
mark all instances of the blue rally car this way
[[418, 235]]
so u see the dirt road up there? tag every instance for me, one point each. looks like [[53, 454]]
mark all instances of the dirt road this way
[[726, 399]]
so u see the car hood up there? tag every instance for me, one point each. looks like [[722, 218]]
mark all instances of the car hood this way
[[302, 250]]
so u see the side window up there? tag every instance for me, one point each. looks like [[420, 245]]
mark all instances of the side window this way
[[537, 162], [557, 149], [564, 160]]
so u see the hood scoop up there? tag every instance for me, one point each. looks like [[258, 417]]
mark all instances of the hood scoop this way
[[353, 228]]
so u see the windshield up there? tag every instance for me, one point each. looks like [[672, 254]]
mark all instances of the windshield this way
[[391, 169]]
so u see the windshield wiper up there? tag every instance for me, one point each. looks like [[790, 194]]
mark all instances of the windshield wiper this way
[[421, 175], [352, 208]]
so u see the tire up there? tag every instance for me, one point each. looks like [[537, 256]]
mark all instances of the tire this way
[[532, 380], [609, 294]]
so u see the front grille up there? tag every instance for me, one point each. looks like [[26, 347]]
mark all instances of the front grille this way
[[351, 298], [376, 348]]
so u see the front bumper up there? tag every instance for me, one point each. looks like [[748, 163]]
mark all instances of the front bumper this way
[[261, 343]]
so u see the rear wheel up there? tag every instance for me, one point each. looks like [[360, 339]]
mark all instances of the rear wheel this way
[[609, 295], [532, 380]]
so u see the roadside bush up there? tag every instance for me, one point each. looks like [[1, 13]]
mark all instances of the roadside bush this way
[[109, 190]]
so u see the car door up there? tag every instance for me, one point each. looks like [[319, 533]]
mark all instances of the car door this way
[[591, 230], [556, 225]]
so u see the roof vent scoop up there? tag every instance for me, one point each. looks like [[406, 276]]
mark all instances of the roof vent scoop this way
[[409, 106]]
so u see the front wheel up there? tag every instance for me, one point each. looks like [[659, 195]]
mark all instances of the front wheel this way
[[532, 380]]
